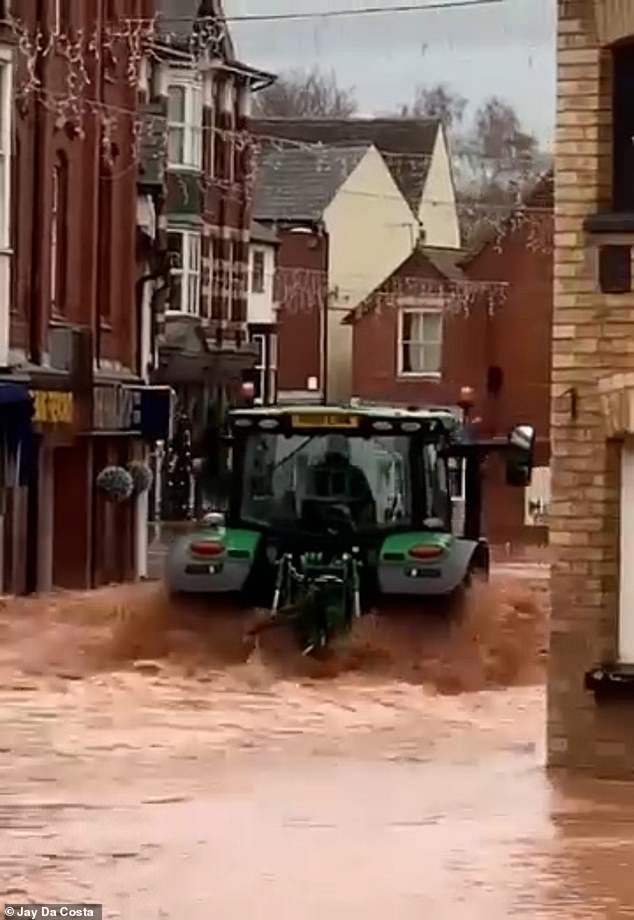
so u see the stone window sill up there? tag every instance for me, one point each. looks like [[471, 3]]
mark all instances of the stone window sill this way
[[611, 682]]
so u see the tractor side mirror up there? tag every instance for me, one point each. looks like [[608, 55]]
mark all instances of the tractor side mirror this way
[[519, 460]]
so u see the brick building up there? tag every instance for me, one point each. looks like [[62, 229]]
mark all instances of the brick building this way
[[203, 93], [75, 327], [375, 186], [590, 723], [445, 320]]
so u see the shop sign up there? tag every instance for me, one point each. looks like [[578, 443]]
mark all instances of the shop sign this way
[[52, 407]]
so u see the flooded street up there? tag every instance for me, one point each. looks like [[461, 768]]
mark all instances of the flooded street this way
[[178, 786]]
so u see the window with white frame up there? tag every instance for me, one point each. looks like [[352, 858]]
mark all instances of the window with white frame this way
[[266, 367], [185, 125], [420, 342], [185, 256], [258, 280], [272, 374], [457, 486], [260, 385]]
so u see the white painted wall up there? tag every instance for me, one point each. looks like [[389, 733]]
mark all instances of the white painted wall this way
[[438, 213], [6, 110], [372, 231], [626, 581], [261, 307]]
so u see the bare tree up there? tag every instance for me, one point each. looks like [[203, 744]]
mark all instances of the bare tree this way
[[496, 163], [499, 142], [305, 94], [439, 101]]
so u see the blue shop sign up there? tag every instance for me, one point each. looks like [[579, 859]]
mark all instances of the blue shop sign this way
[[144, 411], [157, 412]]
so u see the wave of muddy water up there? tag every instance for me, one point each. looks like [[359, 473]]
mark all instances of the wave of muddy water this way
[[153, 762]]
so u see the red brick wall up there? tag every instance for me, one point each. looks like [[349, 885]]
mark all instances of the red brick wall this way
[[520, 333], [107, 92], [302, 289], [375, 360], [514, 336]]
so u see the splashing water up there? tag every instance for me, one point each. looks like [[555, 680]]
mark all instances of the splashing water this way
[[499, 641]]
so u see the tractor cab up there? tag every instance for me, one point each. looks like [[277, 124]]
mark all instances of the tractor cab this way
[[331, 471], [370, 472]]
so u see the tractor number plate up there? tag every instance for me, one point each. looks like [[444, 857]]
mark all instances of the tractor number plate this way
[[202, 569], [317, 420]]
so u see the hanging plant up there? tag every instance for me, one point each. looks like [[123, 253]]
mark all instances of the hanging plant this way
[[116, 483], [141, 477]]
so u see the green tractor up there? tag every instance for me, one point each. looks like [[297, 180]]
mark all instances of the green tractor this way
[[334, 512]]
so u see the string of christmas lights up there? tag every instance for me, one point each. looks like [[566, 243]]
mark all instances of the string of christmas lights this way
[[303, 290]]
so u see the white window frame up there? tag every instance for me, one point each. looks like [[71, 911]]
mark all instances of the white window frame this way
[[267, 366], [191, 127], [426, 309], [190, 270], [259, 252], [210, 102], [259, 338], [273, 359], [231, 102], [461, 495]]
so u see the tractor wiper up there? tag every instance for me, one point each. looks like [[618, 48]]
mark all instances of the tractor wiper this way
[[293, 453]]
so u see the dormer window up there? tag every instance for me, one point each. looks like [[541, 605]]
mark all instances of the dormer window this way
[[185, 125]]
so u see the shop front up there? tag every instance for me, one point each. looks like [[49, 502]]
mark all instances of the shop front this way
[[127, 421], [16, 468]]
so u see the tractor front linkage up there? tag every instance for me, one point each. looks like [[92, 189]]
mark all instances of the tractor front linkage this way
[[316, 596]]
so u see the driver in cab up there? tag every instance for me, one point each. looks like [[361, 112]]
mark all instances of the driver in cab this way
[[338, 481]]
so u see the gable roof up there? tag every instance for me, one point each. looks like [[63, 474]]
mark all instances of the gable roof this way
[[419, 265], [540, 195], [446, 261], [299, 184], [259, 233], [178, 20], [407, 144]]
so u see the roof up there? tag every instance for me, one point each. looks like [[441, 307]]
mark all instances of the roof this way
[[541, 194], [178, 18], [434, 264], [394, 138], [261, 234], [446, 261], [445, 415], [300, 183]]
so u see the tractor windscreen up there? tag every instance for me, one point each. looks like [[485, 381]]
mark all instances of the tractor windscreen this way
[[302, 481]]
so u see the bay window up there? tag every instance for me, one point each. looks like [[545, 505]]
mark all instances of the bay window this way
[[185, 272]]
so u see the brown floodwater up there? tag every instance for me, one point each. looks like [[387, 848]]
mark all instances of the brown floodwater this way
[[154, 761]]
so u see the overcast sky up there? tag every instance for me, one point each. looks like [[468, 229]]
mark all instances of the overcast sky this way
[[505, 49]]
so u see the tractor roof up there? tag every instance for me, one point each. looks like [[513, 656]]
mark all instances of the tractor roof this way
[[327, 416]]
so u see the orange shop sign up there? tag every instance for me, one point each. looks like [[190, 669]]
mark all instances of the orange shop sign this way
[[52, 407]]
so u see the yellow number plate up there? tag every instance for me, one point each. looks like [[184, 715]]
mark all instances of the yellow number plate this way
[[325, 421]]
